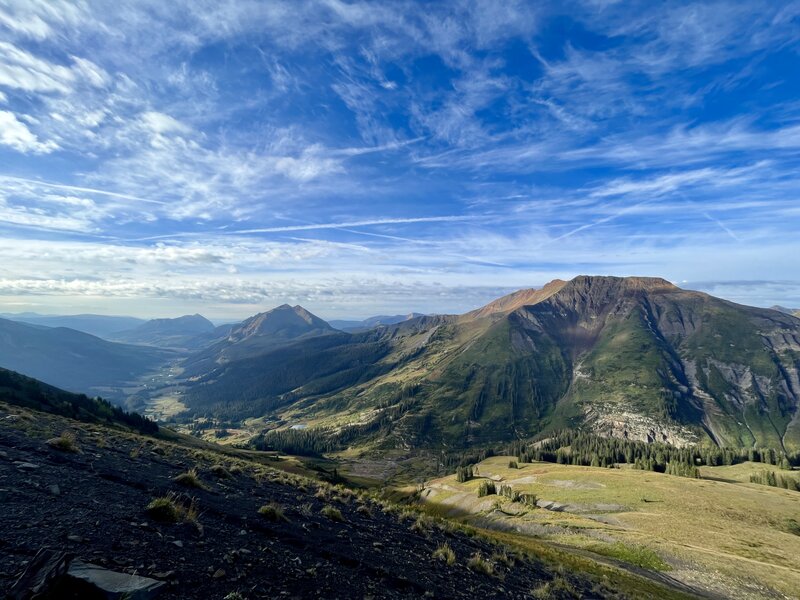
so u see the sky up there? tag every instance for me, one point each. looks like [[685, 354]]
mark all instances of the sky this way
[[358, 158]]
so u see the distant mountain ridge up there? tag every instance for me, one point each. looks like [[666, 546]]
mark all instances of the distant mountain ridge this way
[[98, 325], [370, 322], [73, 360], [787, 311], [169, 333]]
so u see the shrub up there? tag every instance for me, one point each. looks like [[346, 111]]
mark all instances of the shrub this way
[[65, 442], [305, 509], [272, 512], [512, 464], [510, 493], [445, 553], [334, 514], [480, 565], [486, 488], [793, 526], [365, 510], [190, 479]]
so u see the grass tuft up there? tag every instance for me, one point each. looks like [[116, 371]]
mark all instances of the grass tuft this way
[[190, 479], [445, 553], [334, 514], [65, 442], [480, 565], [272, 512], [165, 509]]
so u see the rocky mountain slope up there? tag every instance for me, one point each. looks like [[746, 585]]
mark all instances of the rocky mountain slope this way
[[634, 357], [208, 534]]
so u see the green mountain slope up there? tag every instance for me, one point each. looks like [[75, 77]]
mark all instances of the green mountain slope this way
[[635, 357], [25, 391]]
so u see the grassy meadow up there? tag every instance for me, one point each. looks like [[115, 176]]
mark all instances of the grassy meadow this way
[[720, 533]]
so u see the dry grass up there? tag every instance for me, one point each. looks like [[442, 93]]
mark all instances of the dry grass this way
[[480, 565], [169, 509], [190, 479], [272, 512], [65, 442], [334, 514], [445, 553], [731, 530]]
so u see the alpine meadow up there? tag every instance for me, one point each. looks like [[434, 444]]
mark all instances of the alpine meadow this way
[[366, 299]]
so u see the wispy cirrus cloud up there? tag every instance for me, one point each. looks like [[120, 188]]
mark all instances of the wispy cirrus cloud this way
[[174, 151]]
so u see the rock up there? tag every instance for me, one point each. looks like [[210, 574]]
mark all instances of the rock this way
[[218, 573], [26, 466], [110, 584], [55, 490], [164, 574], [46, 569], [75, 538], [178, 543]]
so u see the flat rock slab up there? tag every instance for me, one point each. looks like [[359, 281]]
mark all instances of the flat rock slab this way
[[112, 585]]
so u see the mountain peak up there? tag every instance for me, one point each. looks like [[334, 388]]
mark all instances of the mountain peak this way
[[644, 284], [285, 320]]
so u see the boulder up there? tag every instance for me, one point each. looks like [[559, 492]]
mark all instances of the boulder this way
[[111, 585]]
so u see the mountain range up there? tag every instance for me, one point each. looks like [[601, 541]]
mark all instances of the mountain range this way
[[629, 357]]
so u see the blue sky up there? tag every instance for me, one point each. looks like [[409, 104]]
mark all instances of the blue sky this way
[[159, 158]]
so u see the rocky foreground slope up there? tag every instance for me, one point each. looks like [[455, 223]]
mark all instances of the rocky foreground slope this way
[[88, 495]]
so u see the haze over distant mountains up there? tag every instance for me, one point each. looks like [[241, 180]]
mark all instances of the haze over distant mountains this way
[[99, 325], [74, 360]]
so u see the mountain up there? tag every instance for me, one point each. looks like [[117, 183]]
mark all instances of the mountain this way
[[74, 360], [190, 331], [636, 357], [99, 325], [371, 322], [258, 335], [787, 311]]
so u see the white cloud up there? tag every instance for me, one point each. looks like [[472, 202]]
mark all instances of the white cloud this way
[[36, 19], [15, 133], [19, 69]]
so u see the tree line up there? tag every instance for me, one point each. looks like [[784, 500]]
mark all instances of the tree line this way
[[586, 449]]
